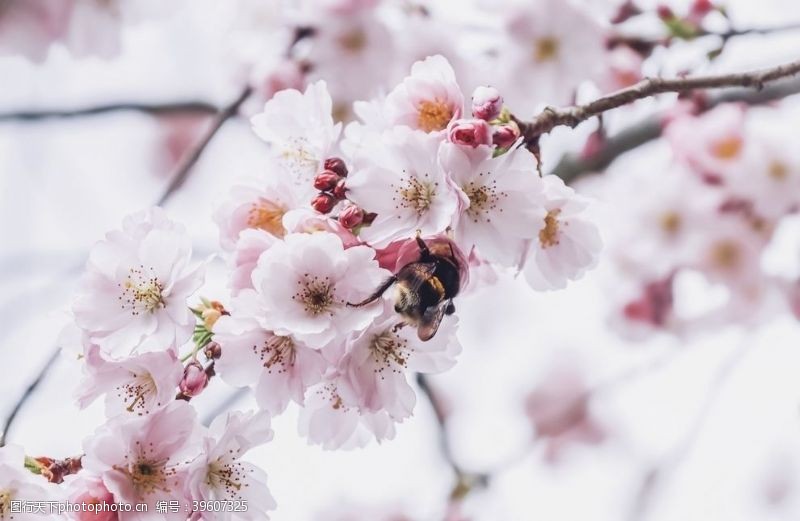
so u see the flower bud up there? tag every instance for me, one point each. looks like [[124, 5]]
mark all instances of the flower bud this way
[[486, 103], [504, 136], [665, 13], [323, 203], [212, 350], [210, 317], [351, 217], [339, 190], [326, 180], [471, 132], [194, 379], [336, 165]]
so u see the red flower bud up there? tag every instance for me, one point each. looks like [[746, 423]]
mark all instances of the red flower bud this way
[[212, 350], [665, 13], [326, 180], [194, 379], [323, 203], [339, 190], [486, 103], [351, 216], [336, 165], [505, 136]]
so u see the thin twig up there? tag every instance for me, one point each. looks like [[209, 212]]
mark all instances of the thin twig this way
[[156, 109], [178, 178], [574, 166], [552, 117]]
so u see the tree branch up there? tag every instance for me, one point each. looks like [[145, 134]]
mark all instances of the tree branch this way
[[552, 117], [157, 109], [574, 166], [181, 174]]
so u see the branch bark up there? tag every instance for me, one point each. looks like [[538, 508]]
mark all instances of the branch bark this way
[[157, 109], [574, 166], [552, 117]]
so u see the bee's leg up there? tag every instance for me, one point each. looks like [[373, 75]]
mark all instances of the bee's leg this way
[[449, 308], [423, 248], [397, 327], [376, 295]]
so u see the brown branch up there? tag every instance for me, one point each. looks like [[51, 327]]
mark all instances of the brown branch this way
[[574, 166], [552, 117], [156, 109], [180, 176]]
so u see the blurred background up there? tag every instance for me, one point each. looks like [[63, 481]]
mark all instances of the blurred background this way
[[551, 411]]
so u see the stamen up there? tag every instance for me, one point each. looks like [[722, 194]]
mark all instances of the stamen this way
[[433, 115], [549, 235], [141, 292]]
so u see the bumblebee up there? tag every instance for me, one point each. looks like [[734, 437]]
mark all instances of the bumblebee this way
[[424, 288]]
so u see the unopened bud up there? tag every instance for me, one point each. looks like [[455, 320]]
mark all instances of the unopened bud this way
[[323, 203], [336, 165], [326, 180], [210, 317], [194, 379], [486, 103], [351, 217], [339, 190], [470, 132], [701, 8], [665, 13], [505, 136], [212, 350]]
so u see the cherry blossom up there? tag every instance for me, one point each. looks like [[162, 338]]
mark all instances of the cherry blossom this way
[[142, 460], [567, 242], [134, 293], [219, 474], [89, 490], [17, 484], [139, 384], [243, 260]]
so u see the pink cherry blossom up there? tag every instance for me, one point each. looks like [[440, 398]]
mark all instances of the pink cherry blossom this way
[[243, 260], [220, 474], [428, 99], [567, 243], [502, 200], [379, 360], [332, 419], [299, 128], [303, 284], [142, 460], [401, 180], [469, 132], [135, 290], [486, 103], [280, 367], [306, 221], [89, 490], [139, 384]]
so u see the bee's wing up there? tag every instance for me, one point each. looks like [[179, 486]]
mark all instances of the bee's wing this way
[[430, 322]]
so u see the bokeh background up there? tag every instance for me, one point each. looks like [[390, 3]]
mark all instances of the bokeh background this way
[[679, 429]]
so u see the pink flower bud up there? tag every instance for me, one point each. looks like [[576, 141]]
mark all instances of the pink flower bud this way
[[326, 180], [323, 203], [339, 190], [665, 13], [472, 132], [194, 379], [336, 165], [505, 135], [351, 217], [486, 103], [212, 350]]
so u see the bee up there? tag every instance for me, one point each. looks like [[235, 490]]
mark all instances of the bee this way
[[424, 288]]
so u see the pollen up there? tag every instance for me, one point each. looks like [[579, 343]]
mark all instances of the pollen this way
[[148, 474], [353, 41], [297, 157], [778, 171], [726, 254], [316, 295], [228, 476], [671, 222], [727, 148], [433, 115], [134, 393], [389, 352], [416, 194], [268, 216], [141, 291], [545, 49], [5, 503], [549, 235], [483, 198], [277, 353]]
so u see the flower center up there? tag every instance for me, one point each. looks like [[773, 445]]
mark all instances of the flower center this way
[[148, 475], [276, 351], [726, 254], [548, 236], [416, 195], [433, 115], [482, 199], [330, 394], [5, 502], [353, 41], [778, 171], [545, 49], [297, 157], [727, 148], [268, 216], [141, 292], [229, 476], [671, 222], [316, 295], [388, 351], [134, 393]]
